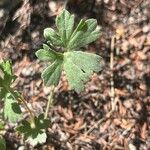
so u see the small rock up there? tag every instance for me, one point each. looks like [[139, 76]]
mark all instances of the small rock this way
[[131, 20], [125, 45], [35, 34], [28, 71], [46, 90], [63, 136], [106, 1], [21, 148], [2, 13], [128, 103], [114, 18], [146, 12], [146, 28], [52, 6], [132, 147]]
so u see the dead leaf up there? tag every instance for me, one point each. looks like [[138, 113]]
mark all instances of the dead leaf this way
[[120, 31], [144, 131]]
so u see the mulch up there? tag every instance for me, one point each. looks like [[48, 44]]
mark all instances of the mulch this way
[[74, 114]]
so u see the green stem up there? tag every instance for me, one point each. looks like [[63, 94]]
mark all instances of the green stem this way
[[21, 99], [29, 110], [50, 102]]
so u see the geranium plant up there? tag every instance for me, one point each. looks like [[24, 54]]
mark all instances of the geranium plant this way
[[62, 51]]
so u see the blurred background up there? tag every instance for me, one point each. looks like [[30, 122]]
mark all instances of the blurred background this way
[[128, 22]]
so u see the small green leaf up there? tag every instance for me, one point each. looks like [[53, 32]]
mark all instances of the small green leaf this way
[[12, 110], [52, 73], [47, 54], [6, 77], [35, 135], [3, 92], [2, 126], [6, 68], [84, 34], [65, 25], [51, 36], [2, 143], [79, 66], [39, 139]]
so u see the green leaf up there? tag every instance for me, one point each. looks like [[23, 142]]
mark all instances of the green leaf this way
[[79, 66], [12, 110], [3, 92], [2, 126], [39, 139], [84, 34], [51, 36], [2, 143], [52, 73], [6, 77], [65, 25], [35, 135], [47, 54], [6, 69]]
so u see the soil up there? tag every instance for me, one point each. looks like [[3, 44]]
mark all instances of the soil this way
[[74, 114]]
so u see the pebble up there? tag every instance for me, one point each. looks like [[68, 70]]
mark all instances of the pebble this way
[[28, 71], [106, 1], [2, 13], [63, 136], [46, 90], [125, 45], [131, 20], [146, 12], [132, 147], [52, 6], [21, 148], [146, 29], [35, 34], [114, 18], [128, 103]]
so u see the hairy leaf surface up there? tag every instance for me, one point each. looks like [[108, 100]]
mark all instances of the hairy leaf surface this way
[[12, 110], [2, 143], [52, 73], [6, 78], [35, 135], [52, 37], [84, 34], [79, 66], [65, 25]]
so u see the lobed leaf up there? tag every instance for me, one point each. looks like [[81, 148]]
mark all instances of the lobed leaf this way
[[6, 78], [35, 135], [79, 66], [2, 143], [47, 54], [52, 73], [84, 34], [65, 25], [12, 110], [51, 36]]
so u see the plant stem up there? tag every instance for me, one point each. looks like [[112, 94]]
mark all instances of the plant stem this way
[[21, 99], [50, 101], [28, 109], [112, 89]]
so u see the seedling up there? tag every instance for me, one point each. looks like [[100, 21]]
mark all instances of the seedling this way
[[78, 65], [63, 53]]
